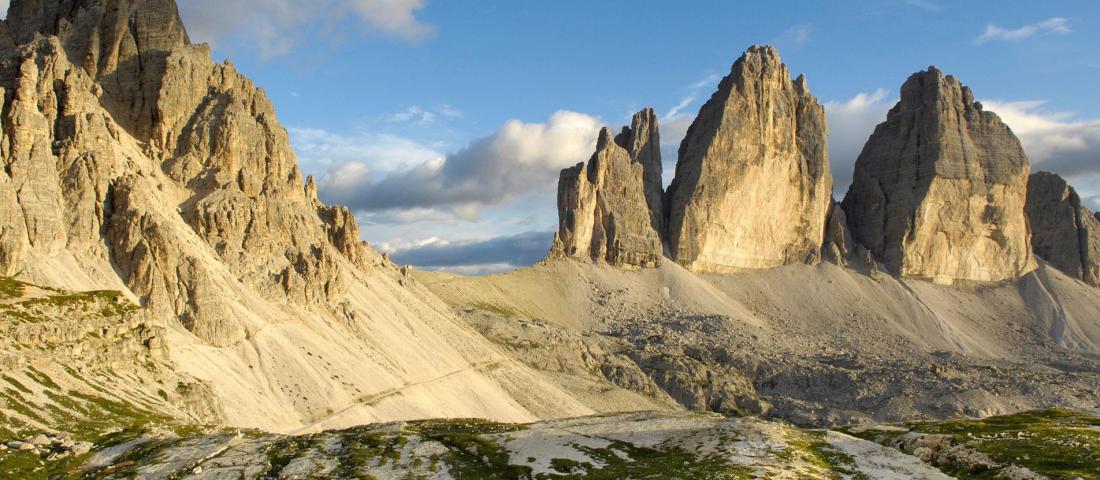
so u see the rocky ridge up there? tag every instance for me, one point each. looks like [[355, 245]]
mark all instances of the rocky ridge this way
[[1064, 231], [940, 187], [134, 163]]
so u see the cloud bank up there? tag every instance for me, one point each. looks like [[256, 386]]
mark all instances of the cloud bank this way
[[1054, 141], [274, 27], [518, 159], [476, 256]]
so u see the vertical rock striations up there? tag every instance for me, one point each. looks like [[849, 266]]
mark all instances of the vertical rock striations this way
[[753, 186], [939, 189], [642, 140], [1063, 231], [603, 210]]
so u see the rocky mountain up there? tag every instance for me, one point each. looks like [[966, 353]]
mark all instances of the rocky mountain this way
[[940, 187], [604, 204], [133, 163], [1063, 231], [753, 185]]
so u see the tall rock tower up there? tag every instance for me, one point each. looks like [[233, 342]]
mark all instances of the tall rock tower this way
[[753, 186], [603, 205], [939, 189]]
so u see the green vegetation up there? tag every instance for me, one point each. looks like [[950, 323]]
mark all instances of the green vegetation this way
[[623, 460], [815, 449], [498, 310], [1057, 443], [10, 288], [1060, 444]]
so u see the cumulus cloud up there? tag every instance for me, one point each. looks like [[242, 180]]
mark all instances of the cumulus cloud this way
[[274, 27], [1056, 25], [518, 159], [474, 256], [851, 123], [4, 7], [1054, 141]]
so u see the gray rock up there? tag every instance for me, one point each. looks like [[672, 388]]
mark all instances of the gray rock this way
[[1063, 231], [939, 189]]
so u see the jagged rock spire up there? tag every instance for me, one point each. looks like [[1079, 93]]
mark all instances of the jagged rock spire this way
[[753, 185], [602, 210], [1063, 230], [642, 139], [939, 189]]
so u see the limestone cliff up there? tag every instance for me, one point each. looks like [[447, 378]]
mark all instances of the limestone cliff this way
[[642, 140], [603, 207], [939, 189], [133, 162], [1063, 231], [753, 186]]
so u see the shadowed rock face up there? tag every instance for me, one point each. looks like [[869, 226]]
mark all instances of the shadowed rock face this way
[[939, 189], [603, 210], [1063, 231], [753, 185]]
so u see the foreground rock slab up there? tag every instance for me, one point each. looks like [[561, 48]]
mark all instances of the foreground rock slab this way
[[639, 445]]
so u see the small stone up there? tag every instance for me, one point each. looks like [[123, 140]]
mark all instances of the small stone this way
[[40, 440], [82, 447]]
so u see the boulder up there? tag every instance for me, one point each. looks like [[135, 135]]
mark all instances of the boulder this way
[[753, 186], [939, 189]]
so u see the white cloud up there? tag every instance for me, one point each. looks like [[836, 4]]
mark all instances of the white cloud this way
[[1054, 141], [4, 7], [1056, 25], [320, 150], [851, 123], [519, 159], [274, 27]]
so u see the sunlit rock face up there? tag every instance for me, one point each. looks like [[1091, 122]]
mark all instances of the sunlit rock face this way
[[753, 186], [1063, 231], [940, 187], [604, 211]]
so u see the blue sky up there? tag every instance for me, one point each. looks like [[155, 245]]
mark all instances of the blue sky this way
[[444, 123]]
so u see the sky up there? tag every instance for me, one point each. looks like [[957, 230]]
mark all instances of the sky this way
[[444, 124]]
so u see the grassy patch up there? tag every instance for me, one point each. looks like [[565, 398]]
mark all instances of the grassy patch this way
[[498, 310], [815, 449], [1057, 443], [10, 288]]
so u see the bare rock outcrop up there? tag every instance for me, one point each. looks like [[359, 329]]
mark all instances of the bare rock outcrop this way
[[1063, 231], [753, 186], [603, 210], [939, 189], [642, 139]]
